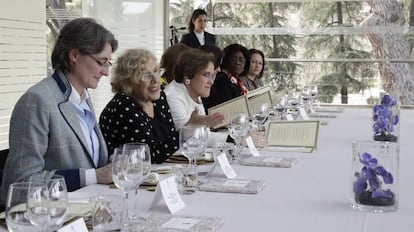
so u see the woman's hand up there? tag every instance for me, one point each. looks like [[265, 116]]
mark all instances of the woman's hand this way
[[208, 120], [104, 174]]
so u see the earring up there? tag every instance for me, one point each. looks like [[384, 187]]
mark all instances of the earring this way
[[187, 81]]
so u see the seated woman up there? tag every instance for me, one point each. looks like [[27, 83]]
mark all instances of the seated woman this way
[[227, 84], [193, 77], [139, 111], [252, 76], [168, 59]]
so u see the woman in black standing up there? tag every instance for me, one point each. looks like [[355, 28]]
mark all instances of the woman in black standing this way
[[197, 35]]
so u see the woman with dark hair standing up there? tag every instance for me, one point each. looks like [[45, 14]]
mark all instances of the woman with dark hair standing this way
[[227, 84], [197, 35], [252, 76]]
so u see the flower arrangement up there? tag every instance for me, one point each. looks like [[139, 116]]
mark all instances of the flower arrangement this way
[[368, 186], [386, 117]]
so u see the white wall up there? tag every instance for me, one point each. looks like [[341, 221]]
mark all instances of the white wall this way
[[22, 54]]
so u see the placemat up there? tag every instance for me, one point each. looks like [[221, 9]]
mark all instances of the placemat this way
[[182, 159], [172, 223], [263, 161], [330, 110], [321, 115], [232, 185]]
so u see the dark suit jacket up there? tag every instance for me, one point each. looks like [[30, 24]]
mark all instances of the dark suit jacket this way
[[221, 91], [191, 40]]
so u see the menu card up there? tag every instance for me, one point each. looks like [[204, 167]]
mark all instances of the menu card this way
[[293, 134], [238, 104]]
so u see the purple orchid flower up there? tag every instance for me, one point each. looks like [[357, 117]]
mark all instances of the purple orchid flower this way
[[369, 177], [384, 116]]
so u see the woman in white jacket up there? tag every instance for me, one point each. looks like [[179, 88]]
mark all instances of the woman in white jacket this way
[[193, 77]]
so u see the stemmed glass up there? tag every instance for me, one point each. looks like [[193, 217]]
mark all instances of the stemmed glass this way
[[58, 197], [26, 207], [313, 92], [260, 114], [305, 95], [280, 106], [293, 100], [238, 128], [134, 171], [145, 156], [193, 140], [119, 167]]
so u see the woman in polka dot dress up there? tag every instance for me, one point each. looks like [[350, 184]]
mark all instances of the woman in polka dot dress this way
[[139, 111]]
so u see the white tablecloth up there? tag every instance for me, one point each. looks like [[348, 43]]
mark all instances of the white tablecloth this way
[[313, 195]]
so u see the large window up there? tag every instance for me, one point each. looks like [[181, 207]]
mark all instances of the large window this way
[[353, 50]]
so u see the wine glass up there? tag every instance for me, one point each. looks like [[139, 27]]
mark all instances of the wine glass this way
[[313, 92], [26, 207], [260, 114], [119, 164], [280, 106], [293, 100], [134, 169], [305, 95], [144, 154], [58, 197], [238, 128], [38, 205], [193, 139]]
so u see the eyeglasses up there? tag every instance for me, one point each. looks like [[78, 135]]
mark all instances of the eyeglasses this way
[[209, 76], [147, 76], [106, 64], [239, 59]]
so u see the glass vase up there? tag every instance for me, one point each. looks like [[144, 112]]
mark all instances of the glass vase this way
[[375, 168], [386, 119]]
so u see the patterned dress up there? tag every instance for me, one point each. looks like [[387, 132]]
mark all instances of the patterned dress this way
[[123, 121]]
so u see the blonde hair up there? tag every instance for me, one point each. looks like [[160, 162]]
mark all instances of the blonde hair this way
[[129, 68]]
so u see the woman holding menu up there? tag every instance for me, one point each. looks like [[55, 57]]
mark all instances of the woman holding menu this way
[[193, 77]]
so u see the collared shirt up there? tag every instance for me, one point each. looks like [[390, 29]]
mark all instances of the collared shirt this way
[[200, 37], [87, 122]]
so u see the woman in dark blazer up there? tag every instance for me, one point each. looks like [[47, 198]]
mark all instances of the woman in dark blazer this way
[[227, 84], [197, 35]]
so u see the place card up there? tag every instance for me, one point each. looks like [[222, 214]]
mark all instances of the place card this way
[[300, 134], [303, 114], [232, 186], [289, 117], [225, 166], [167, 193], [77, 225], [238, 104], [276, 162], [179, 223], [252, 147]]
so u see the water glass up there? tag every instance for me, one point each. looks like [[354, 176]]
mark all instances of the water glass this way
[[238, 127], [187, 178], [193, 141], [18, 215], [107, 212], [227, 148], [58, 197]]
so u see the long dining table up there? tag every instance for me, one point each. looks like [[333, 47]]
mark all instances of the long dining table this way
[[313, 195]]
